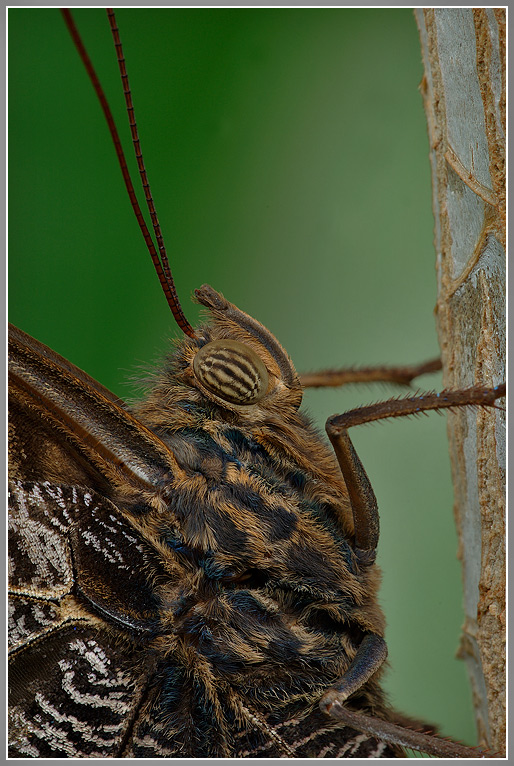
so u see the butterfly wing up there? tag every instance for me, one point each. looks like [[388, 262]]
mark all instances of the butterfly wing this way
[[67, 427], [82, 609]]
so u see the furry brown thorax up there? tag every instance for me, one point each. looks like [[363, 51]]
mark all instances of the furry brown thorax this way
[[265, 603]]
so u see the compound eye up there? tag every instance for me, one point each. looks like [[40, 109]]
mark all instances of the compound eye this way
[[232, 371]]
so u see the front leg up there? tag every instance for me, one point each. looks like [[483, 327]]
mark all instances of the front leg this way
[[360, 491], [403, 375]]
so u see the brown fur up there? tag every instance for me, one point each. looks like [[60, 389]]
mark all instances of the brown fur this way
[[242, 601]]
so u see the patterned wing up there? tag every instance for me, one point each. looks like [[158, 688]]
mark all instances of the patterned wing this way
[[76, 680]]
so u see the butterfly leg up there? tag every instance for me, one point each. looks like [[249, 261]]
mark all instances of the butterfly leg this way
[[400, 374], [370, 655], [362, 497], [410, 734]]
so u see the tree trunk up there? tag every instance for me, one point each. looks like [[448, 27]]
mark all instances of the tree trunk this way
[[464, 94]]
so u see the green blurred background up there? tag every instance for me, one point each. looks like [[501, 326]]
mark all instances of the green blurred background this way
[[288, 157]]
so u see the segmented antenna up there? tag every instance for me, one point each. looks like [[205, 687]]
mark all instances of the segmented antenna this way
[[160, 261]]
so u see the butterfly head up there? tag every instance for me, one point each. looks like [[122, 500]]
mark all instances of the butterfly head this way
[[235, 362]]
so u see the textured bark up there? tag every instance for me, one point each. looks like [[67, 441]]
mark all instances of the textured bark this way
[[464, 94]]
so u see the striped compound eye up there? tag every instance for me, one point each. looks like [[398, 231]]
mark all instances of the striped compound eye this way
[[231, 371]]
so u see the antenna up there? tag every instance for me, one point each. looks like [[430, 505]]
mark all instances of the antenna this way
[[160, 260]]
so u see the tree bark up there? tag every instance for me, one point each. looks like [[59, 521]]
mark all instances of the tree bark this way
[[464, 95]]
